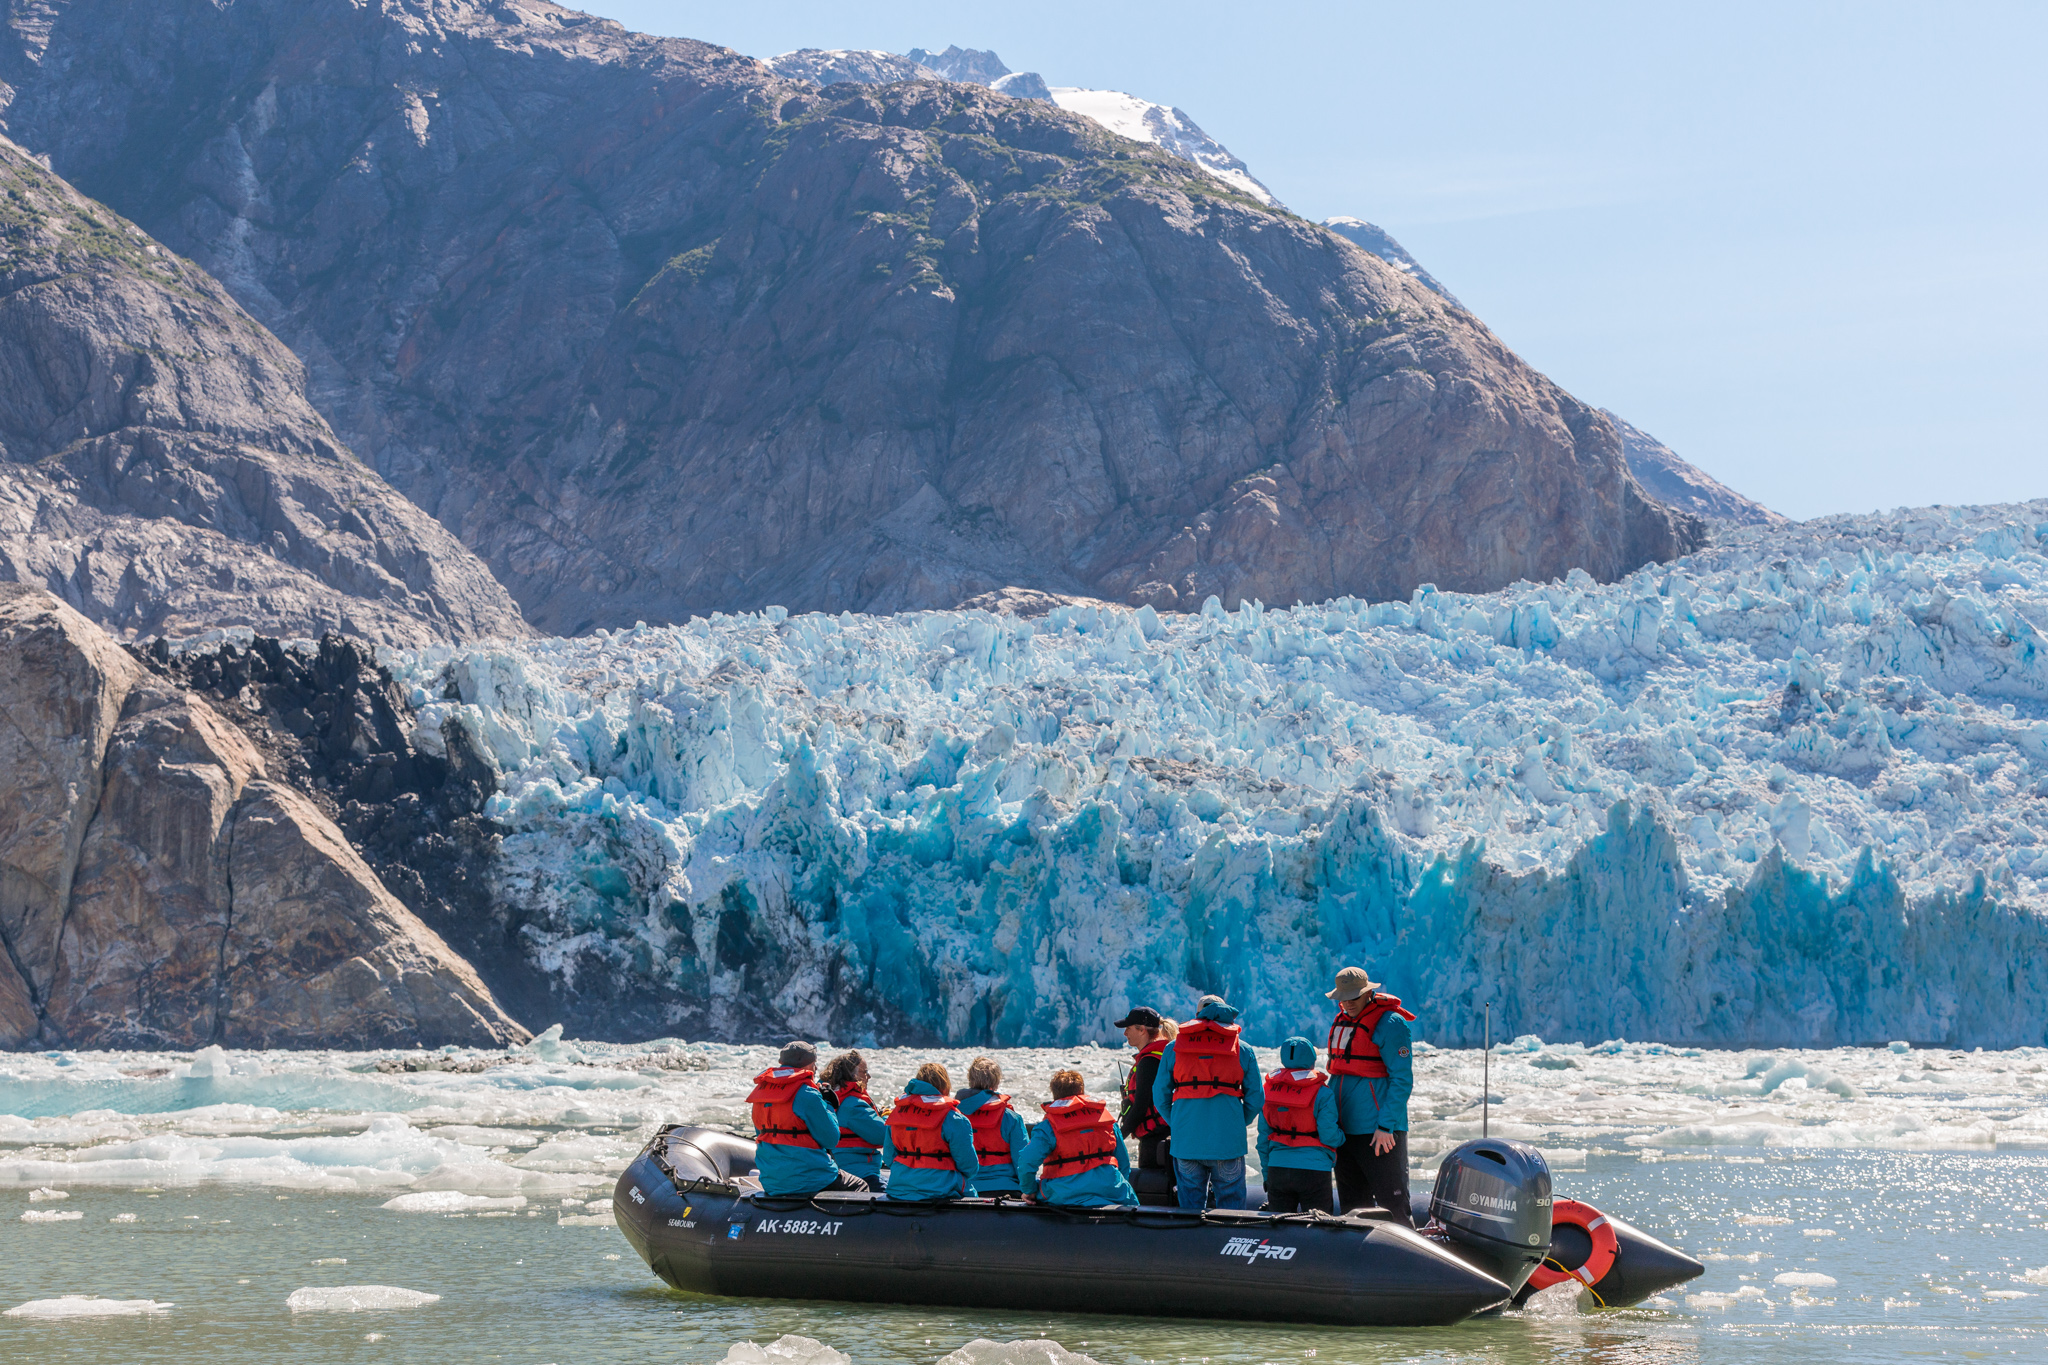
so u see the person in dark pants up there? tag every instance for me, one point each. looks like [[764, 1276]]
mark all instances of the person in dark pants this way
[[1139, 1117], [1298, 1133], [1370, 1056]]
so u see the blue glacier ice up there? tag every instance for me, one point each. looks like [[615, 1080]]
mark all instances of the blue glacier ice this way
[[1791, 790]]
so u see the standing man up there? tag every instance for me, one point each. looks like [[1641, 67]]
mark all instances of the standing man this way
[[1369, 1055], [1139, 1117], [1208, 1092]]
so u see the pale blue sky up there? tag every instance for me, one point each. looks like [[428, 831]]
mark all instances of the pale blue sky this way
[[1804, 244]]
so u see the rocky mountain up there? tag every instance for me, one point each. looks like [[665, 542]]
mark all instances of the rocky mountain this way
[[1381, 243], [1675, 483], [656, 331], [159, 889], [160, 467]]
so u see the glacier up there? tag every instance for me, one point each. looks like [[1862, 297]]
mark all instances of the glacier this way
[[1789, 791]]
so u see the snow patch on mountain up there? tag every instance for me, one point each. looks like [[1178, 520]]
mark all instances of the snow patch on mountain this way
[[1143, 121], [1791, 789]]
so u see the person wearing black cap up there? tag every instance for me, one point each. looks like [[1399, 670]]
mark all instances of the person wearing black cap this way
[[794, 1128], [1140, 1118]]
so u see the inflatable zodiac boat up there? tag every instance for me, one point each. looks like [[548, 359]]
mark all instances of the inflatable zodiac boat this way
[[683, 1209]]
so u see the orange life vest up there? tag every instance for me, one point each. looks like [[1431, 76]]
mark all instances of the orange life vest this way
[[848, 1139], [1084, 1136], [1352, 1050], [1133, 1101], [1291, 1107], [1205, 1062], [774, 1100], [914, 1124], [990, 1148]]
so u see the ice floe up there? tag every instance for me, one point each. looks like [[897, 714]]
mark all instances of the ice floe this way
[[1792, 789], [356, 1298], [785, 1350], [71, 1306]]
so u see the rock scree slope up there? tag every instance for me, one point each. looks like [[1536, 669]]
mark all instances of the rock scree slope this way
[[158, 889], [160, 467], [658, 332]]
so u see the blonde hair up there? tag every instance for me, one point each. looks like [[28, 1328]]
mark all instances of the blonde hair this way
[[1067, 1084], [984, 1074], [842, 1070], [931, 1073], [1169, 1029]]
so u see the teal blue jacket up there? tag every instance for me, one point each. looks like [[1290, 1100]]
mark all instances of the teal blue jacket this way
[[858, 1117], [787, 1170], [906, 1182], [1210, 1129], [1299, 1054], [1368, 1102], [997, 1179], [1089, 1189]]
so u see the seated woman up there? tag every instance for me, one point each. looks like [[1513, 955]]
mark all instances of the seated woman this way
[[1076, 1155], [861, 1129], [998, 1129], [930, 1147]]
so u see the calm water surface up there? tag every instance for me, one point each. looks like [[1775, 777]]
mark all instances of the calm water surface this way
[[1929, 1252]]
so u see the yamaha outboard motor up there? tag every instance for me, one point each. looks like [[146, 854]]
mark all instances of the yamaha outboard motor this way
[[1492, 1198]]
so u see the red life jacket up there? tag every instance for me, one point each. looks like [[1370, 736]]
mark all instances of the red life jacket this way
[[1352, 1050], [1084, 1136], [1133, 1101], [990, 1148], [1291, 1107], [774, 1100], [914, 1123], [850, 1141], [1205, 1062]]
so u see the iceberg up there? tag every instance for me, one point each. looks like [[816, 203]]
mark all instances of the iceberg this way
[[1791, 790]]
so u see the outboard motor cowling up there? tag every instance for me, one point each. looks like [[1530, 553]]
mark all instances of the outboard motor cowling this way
[[1492, 1198]]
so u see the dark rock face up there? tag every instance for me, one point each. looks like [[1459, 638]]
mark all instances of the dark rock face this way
[[158, 889], [656, 332], [160, 467], [1381, 243], [1675, 483]]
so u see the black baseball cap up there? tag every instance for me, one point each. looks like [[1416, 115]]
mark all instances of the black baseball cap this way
[[1142, 1017]]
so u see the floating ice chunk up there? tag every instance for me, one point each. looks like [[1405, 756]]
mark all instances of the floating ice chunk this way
[[1558, 1301], [549, 1047], [356, 1298], [448, 1201], [332, 1260], [469, 1135], [1805, 1279], [86, 1306], [38, 1196], [2039, 1276], [51, 1216], [2007, 1294], [1818, 1232], [1749, 1293], [784, 1350], [1900, 1046], [122, 1218], [982, 1351], [1762, 1220], [588, 1220]]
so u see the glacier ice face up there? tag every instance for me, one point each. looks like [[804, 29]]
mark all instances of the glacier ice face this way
[[1790, 790]]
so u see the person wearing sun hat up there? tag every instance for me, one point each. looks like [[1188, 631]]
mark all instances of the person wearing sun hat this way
[[1370, 1059]]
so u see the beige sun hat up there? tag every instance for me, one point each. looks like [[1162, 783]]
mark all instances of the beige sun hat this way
[[1352, 982]]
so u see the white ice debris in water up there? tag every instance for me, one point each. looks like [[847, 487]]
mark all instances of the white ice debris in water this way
[[122, 1218], [1793, 787], [1805, 1279], [1558, 1301], [982, 1351], [2039, 1276], [86, 1306], [1748, 1294], [449, 1201], [784, 1350], [2007, 1294], [51, 1216], [38, 1196], [356, 1298]]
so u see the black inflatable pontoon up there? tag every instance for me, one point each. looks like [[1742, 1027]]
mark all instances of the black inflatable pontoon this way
[[679, 1206]]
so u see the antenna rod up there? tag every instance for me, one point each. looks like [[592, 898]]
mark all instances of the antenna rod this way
[[1486, 1078]]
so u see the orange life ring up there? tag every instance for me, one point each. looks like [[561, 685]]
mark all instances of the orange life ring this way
[[1599, 1260]]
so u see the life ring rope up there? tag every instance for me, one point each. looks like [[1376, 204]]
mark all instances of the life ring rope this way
[[1600, 1260]]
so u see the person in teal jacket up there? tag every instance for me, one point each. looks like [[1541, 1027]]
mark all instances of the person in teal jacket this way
[[1370, 1056], [1079, 1136], [861, 1128], [998, 1129], [930, 1147], [794, 1130], [1216, 1074], [1298, 1133]]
